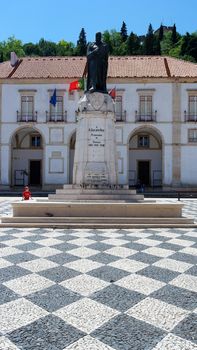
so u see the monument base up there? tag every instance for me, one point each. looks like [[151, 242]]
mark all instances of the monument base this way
[[95, 161], [96, 214]]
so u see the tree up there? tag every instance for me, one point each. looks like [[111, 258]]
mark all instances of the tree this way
[[156, 46], [12, 44], [185, 44], [1, 57], [123, 32], [47, 48], [107, 40], [166, 43], [81, 44], [133, 44], [31, 49], [160, 37], [149, 41], [174, 35], [118, 47], [65, 48]]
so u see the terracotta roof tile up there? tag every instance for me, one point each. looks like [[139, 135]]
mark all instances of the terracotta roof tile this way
[[119, 67], [180, 68], [136, 66], [5, 69], [51, 67]]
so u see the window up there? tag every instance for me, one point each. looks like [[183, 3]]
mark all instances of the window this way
[[56, 111], [145, 106], [193, 106], [27, 106], [143, 141], [35, 141], [118, 108], [192, 135]]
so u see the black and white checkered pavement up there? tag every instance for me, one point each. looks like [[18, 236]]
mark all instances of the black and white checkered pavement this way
[[98, 289]]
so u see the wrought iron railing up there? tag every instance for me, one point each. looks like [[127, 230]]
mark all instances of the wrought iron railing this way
[[56, 117], [190, 117], [148, 117], [121, 117], [26, 116]]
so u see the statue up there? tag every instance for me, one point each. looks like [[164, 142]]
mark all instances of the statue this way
[[97, 64]]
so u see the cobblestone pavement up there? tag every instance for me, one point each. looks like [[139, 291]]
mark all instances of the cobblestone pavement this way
[[98, 289]]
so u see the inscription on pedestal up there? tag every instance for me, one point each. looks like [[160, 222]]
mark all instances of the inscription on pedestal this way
[[96, 137], [96, 143]]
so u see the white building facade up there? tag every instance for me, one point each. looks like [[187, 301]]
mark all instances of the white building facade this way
[[156, 121]]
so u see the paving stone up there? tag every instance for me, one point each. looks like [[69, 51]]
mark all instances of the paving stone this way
[[117, 297], [48, 333], [53, 298], [177, 296], [129, 288], [125, 333], [187, 328]]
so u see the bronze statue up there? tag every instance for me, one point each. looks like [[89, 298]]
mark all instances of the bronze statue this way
[[97, 64]]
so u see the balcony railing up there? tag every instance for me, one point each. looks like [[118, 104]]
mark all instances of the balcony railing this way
[[148, 117], [121, 117], [56, 117], [190, 117], [26, 117]]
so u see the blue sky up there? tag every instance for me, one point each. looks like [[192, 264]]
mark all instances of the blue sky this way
[[63, 19]]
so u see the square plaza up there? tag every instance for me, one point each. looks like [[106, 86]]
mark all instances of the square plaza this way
[[98, 289]]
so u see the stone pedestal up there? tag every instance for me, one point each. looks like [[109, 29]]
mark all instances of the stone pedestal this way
[[95, 151]]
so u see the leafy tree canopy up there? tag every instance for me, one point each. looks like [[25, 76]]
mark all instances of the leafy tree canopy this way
[[162, 42]]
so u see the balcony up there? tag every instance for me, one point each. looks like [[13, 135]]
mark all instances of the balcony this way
[[56, 117], [26, 117], [120, 117], [190, 117], [148, 117]]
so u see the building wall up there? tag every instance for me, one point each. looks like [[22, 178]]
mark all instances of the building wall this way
[[56, 136]]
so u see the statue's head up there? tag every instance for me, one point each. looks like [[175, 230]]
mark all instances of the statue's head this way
[[98, 37]]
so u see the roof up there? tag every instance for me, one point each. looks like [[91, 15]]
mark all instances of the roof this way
[[119, 67]]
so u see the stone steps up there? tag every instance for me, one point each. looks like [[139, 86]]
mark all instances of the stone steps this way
[[96, 222], [106, 194], [85, 196], [97, 209]]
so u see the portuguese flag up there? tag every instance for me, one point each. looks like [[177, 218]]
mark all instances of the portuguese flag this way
[[77, 85]]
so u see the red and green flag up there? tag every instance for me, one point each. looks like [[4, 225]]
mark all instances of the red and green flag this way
[[112, 93], [77, 85]]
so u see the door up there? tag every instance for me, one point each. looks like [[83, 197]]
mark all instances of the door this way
[[35, 172], [144, 172]]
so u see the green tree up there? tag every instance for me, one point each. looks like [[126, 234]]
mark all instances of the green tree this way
[[160, 37], [123, 32], [31, 49], [107, 39], [1, 56], [81, 48], [174, 35], [118, 47], [185, 44], [156, 46], [65, 48], [47, 48], [133, 44], [166, 44], [149, 42], [12, 44]]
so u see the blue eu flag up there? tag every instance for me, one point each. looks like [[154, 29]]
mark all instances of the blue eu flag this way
[[53, 99]]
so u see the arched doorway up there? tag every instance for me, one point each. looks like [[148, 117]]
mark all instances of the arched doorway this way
[[145, 158], [27, 157], [71, 156]]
